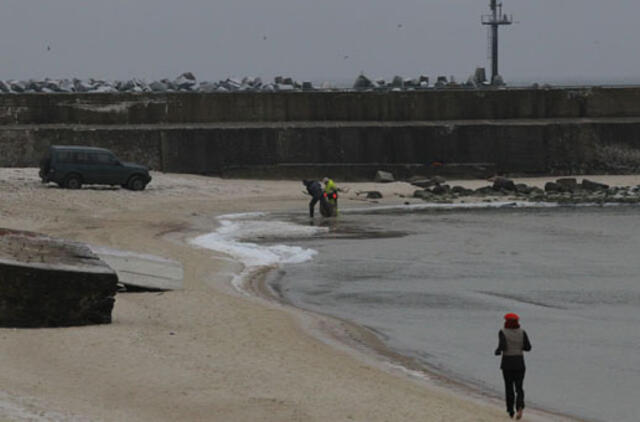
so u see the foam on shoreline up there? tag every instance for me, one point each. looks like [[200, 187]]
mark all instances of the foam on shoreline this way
[[236, 237]]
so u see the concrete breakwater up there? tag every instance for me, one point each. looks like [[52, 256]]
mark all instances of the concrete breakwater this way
[[349, 134]]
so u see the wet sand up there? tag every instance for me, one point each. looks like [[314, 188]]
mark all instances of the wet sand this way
[[207, 352]]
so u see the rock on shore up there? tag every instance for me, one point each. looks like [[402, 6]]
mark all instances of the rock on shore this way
[[564, 190]]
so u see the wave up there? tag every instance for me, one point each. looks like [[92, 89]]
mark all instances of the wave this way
[[237, 235]]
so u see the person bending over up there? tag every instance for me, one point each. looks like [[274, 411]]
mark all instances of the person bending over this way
[[314, 189]]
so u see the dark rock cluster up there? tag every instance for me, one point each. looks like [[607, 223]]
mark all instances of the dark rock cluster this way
[[399, 83], [186, 82], [565, 190]]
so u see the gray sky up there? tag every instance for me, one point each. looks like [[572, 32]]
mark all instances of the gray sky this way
[[332, 40]]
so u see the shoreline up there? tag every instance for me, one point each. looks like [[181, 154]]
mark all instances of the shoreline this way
[[204, 350], [365, 344]]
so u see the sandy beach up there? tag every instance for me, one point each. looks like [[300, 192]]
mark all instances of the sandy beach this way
[[207, 352]]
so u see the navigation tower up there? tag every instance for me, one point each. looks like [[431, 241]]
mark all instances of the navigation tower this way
[[495, 20]]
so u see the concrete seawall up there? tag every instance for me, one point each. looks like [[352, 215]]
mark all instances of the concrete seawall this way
[[350, 134]]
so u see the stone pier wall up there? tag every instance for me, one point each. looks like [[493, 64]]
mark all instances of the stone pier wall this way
[[523, 131]]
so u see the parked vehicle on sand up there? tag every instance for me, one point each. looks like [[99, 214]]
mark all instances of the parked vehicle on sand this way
[[73, 166]]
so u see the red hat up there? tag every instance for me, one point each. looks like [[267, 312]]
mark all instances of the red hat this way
[[511, 317]]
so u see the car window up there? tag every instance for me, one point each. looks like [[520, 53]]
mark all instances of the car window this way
[[64, 156], [103, 158], [81, 157]]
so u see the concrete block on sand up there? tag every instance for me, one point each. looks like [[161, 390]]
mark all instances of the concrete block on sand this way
[[384, 177], [47, 282]]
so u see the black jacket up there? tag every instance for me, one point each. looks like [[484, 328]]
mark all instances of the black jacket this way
[[314, 188]]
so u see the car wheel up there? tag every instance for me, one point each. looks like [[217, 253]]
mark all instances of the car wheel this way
[[136, 183], [73, 181]]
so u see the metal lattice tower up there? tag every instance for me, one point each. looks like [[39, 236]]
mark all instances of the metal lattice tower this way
[[495, 20]]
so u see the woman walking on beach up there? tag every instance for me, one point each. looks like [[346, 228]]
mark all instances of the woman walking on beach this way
[[513, 340]]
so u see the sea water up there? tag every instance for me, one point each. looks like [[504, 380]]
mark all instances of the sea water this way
[[434, 285]]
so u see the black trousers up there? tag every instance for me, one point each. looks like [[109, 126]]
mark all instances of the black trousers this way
[[513, 381], [312, 205], [324, 206]]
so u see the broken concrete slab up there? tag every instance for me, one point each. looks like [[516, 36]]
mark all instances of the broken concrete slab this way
[[49, 282], [383, 177], [142, 272]]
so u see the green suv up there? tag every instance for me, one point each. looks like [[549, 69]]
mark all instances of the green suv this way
[[73, 166]]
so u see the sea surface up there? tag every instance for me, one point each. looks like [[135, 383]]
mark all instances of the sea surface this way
[[434, 284]]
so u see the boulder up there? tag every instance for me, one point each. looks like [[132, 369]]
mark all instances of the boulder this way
[[523, 188], [593, 186], [257, 82], [231, 84], [498, 81], [567, 184], [206, 87], [397, 82], [186, 81], [141, 84], [552, 187], [34, 86], [423, 194], [536, 192], [104, 89], [49, 282], [461, 190], [284, 87], [411, 82], [67, 86], [268, 88], [17, 86], [126, 85], [53, 85], [440, 189], [81, 86], [502, 183], [383, 177], [441, 82], [480, 75], [438, 180], [484, 191], [157, 86], [420, 193], [362, 82], [374, 194], [423, 183], [471, 82]]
